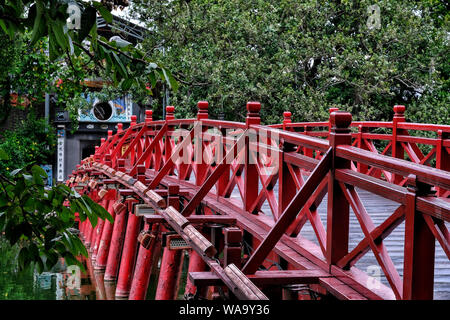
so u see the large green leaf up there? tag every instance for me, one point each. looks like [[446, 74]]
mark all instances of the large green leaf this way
[[60, 37], [88, 19], [122, 69], [40, 25], [106, 14], [98, 209], [169, 77], [38, 174], [127, 83]]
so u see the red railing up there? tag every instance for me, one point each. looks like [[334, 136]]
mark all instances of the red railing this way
[[427, 144], [201, 171]]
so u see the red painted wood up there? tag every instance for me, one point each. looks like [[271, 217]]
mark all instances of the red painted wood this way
[[357, 161], [418, 274], [127, 261], [378, 249], [103, 250], [288, 215], [196, 264], [117, 241], [144, 262], [282, 277], [169, 274], [338, 207]]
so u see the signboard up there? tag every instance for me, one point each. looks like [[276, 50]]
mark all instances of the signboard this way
[[61, 134], [118, 110]]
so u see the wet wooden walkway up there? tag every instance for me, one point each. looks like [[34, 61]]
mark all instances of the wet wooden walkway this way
[[379, 209]]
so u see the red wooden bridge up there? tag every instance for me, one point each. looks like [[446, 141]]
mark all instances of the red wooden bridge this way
[[284, 211]]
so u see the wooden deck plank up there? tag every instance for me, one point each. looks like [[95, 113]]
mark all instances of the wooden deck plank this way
[[260, 278]]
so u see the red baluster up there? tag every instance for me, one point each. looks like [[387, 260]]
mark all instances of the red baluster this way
[[338, 207]]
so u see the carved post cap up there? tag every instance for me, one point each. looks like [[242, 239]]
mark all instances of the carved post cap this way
[[148, 116], [120, 127], [109, 133], [287, 116], [253, 109], [399, 110], [133, 120], [340, 119], [202, 110], [170, 110], [203, 105]]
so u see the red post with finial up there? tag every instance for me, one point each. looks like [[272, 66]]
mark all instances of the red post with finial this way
[[148, 121], [132, 153], [133, 120], [338, 207], [251, 171], [196, 263], [148, 116], [202, 112], [201, 166], [442, 157], [287, 119], [170, 113], [397, 148]]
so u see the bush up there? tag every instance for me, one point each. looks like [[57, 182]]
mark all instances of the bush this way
[[32, 142]]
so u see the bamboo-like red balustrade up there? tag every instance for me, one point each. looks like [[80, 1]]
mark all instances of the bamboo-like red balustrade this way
[[213, 201]]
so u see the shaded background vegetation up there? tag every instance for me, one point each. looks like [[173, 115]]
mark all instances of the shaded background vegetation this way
[[303, 56]]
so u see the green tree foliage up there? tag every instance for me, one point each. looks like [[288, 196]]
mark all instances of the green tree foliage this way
[[304, 56], [9, 50], [81, 51], [28, 72], [32, 142], [41, 220]]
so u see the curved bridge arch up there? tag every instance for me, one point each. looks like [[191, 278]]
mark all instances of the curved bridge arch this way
[[237, 195]]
